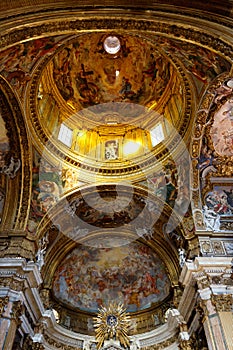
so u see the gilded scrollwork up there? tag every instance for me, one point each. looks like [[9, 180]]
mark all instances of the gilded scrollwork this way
[[195, 198], [185, 342], [222, 302], [198, 219]]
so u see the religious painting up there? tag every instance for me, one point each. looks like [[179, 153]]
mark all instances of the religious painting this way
[[218, 203], [220, 200], [205, 161], [89, 277], [111, 150]]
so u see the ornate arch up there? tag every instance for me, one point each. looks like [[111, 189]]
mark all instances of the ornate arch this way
[[18, 183]]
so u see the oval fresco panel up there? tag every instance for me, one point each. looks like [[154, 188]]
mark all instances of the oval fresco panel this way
[[133, 275]]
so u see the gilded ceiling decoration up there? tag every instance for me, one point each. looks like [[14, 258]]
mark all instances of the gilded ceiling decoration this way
[[108, 100]]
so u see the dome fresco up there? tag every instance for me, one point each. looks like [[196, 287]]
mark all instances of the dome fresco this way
[[86, 74], [133, 275]]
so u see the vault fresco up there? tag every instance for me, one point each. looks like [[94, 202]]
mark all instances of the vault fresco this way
[[18, 61], [90, 277], [171, 184], [202, 63]]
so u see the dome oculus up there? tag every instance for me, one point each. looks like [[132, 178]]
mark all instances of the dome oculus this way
[[112, 45]]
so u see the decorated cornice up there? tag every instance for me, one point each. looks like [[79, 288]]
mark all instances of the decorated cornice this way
[[138, 8]]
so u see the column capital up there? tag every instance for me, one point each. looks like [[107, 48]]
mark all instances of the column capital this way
[[3, 304]]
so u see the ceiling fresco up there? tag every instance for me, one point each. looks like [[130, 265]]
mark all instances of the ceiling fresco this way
[[89, 277]]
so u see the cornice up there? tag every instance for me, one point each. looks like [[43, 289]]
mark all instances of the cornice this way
[[221, 9], [14, 31]]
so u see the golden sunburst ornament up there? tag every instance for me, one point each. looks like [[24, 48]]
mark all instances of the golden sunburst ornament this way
[[112, 322]]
